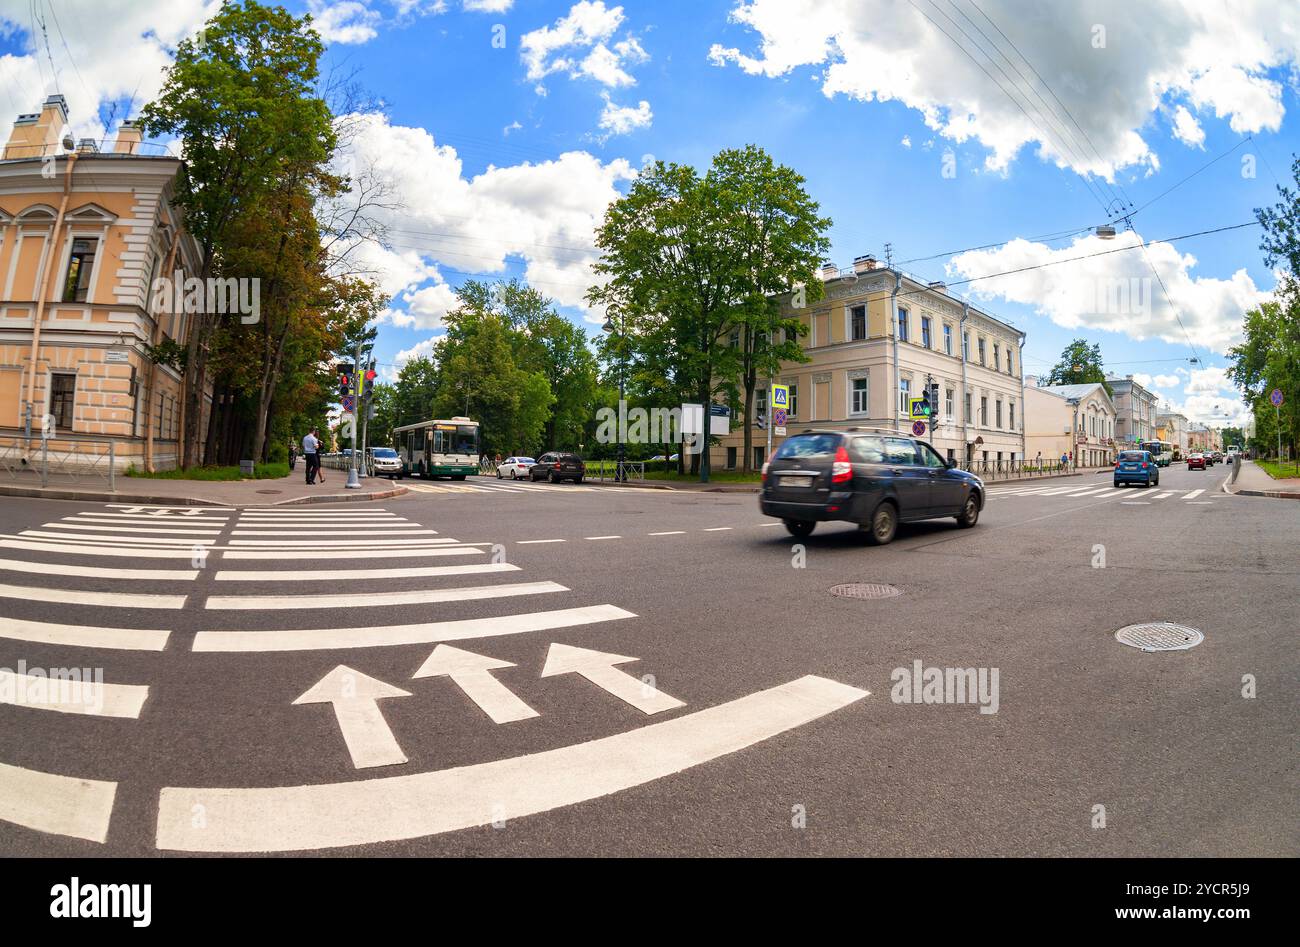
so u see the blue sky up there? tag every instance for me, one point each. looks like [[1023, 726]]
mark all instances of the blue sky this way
[[933, 127]]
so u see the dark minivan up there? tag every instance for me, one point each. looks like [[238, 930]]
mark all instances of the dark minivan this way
[[557, 466], [877, 480]]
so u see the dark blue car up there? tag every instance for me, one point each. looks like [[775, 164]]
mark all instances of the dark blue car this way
[[873, 478], [1137, 466]]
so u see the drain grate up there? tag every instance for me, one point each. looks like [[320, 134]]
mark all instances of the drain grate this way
[[270, 491], [865, 590], [1159, 636]]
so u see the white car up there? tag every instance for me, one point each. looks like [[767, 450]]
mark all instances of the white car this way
[[515, 467]]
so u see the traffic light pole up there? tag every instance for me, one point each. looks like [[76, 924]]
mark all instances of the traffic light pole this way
[[353, 482]]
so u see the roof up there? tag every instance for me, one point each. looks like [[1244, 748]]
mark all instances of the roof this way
[[1073, 392]]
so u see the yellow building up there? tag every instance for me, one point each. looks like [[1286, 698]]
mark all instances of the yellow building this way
[[874, 340], [83, 235]]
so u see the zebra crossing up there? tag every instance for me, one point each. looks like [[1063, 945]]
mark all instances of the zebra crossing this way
[[503, 487], [1097, 492]]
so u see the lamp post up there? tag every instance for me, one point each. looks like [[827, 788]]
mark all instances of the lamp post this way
[[609, 328]]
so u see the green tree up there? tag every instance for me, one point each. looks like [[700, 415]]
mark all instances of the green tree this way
[[1080, 364], [241, 102], [1268, 358], [414, 391]]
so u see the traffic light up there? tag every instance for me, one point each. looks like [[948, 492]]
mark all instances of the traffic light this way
[[934, 405]]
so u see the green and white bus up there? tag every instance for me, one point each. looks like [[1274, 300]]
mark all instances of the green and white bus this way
[[438, 448], [1162, 451]]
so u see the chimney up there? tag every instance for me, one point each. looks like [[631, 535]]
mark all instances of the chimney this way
[[129, 136], [864, 264], [829, 270], [37, 134], [1031, 381], [939, 286], [88, 146]]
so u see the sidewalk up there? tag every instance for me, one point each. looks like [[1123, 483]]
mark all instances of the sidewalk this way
[[277, 492], [1253, 482]]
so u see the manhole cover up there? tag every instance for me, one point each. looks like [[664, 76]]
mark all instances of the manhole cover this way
[[1159, 636], [866, 590], [270, 491]]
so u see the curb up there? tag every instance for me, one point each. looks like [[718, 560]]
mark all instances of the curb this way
[[102, 496]]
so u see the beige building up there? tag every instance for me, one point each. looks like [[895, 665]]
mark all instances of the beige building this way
[[1173, 428], [1136, 409], [1075, 421], [874, 340], [83, 234]]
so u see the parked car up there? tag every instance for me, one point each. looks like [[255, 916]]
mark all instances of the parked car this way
[[1137, 466], [876, 480], [1209, 458], [515, 467], [661, 457], [1195, 461], [557, 466], [384, 462], [1218, 457]]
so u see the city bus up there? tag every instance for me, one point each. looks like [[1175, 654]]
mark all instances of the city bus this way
[[1162, 451], [438, 448]]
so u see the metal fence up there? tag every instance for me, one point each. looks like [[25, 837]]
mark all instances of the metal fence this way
[[1020, 469], [60, 460], [341, 461]]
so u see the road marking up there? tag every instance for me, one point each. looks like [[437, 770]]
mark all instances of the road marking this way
[[84, 636], [211, 525], [472, 673], [92, 698], [185, 510], [359, 575], [76, 550], [1202, 503], [717, 529], [534, 542], [1161, 496], [671, 532], [604, 537], [59, 805], [254, 511], [371, 599], [134, 530], [329, 544], [1059, 490], [322, 639], [1134, 503], [315, 554], [122, 541], [369, 811], [1193, 495], [91, 572], [96, 599], [355, 698], [412, 530], [1092, 491], [316, 518], [599, 668]]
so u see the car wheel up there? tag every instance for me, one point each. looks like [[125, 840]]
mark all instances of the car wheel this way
[[554, 478], [970, 512], [498, 473], [883, 525], [577, 480], [1116, 484], [800, 529]]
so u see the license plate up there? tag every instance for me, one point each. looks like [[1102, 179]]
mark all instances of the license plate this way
[[796, 481]]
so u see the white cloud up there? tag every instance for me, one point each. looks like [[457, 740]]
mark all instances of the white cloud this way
[[512, 127], [1214, 55], [619, 120], [1187, 129], [907, 141], [488, 6], [424, 348], [588, 25], [425, 308], [544, 214], [1117, 292], [344, 21]]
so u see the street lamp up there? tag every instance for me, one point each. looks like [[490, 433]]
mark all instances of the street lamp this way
[[609, 329]]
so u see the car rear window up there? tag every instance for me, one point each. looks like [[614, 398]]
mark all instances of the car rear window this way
[[1133, 456], [868, 450], [524, 460], [809, 445]]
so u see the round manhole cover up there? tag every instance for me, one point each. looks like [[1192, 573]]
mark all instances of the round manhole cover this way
[[1159, 636], [866, 590], [270, 491]]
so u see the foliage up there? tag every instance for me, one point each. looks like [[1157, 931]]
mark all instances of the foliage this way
[[271, 471], [1080, 364]]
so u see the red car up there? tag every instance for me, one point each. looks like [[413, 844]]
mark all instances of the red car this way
[[1195, 461]]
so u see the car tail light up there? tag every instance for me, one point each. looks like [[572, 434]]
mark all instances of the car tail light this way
[[1144, 465], [763, 474], [842, 468]]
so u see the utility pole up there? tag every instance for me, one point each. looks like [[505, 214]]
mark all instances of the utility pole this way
[[353, 482]]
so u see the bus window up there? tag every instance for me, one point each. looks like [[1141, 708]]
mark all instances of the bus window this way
[[465, 441]]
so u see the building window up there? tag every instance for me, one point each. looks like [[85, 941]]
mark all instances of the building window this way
[[858, 395], [731, 458], [998, 410], [965, 346], [1011, 370], [760, 403], [734, 340], [984, 412], [80, 265], [1011, 413], [793, 409], [904, 394], [63, 394], [947, 340], [858, 323], [902, 325], [997, 358], [966, 418], [758, 456], [925, 331], [947, 403], [981, 349]]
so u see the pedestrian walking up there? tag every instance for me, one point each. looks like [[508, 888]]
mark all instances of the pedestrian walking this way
[[311, 456], [293, 456]]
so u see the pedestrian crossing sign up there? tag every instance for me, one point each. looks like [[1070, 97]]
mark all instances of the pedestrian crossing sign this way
[[781, 396], [920, 409]]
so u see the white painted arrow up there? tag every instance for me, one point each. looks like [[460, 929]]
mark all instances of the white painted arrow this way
[[472, 673], [356, 697], [598, 667]]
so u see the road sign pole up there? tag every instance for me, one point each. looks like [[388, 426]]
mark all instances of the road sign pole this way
[[353, 482]]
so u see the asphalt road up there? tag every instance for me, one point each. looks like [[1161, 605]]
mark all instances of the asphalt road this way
[[759, 716]]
